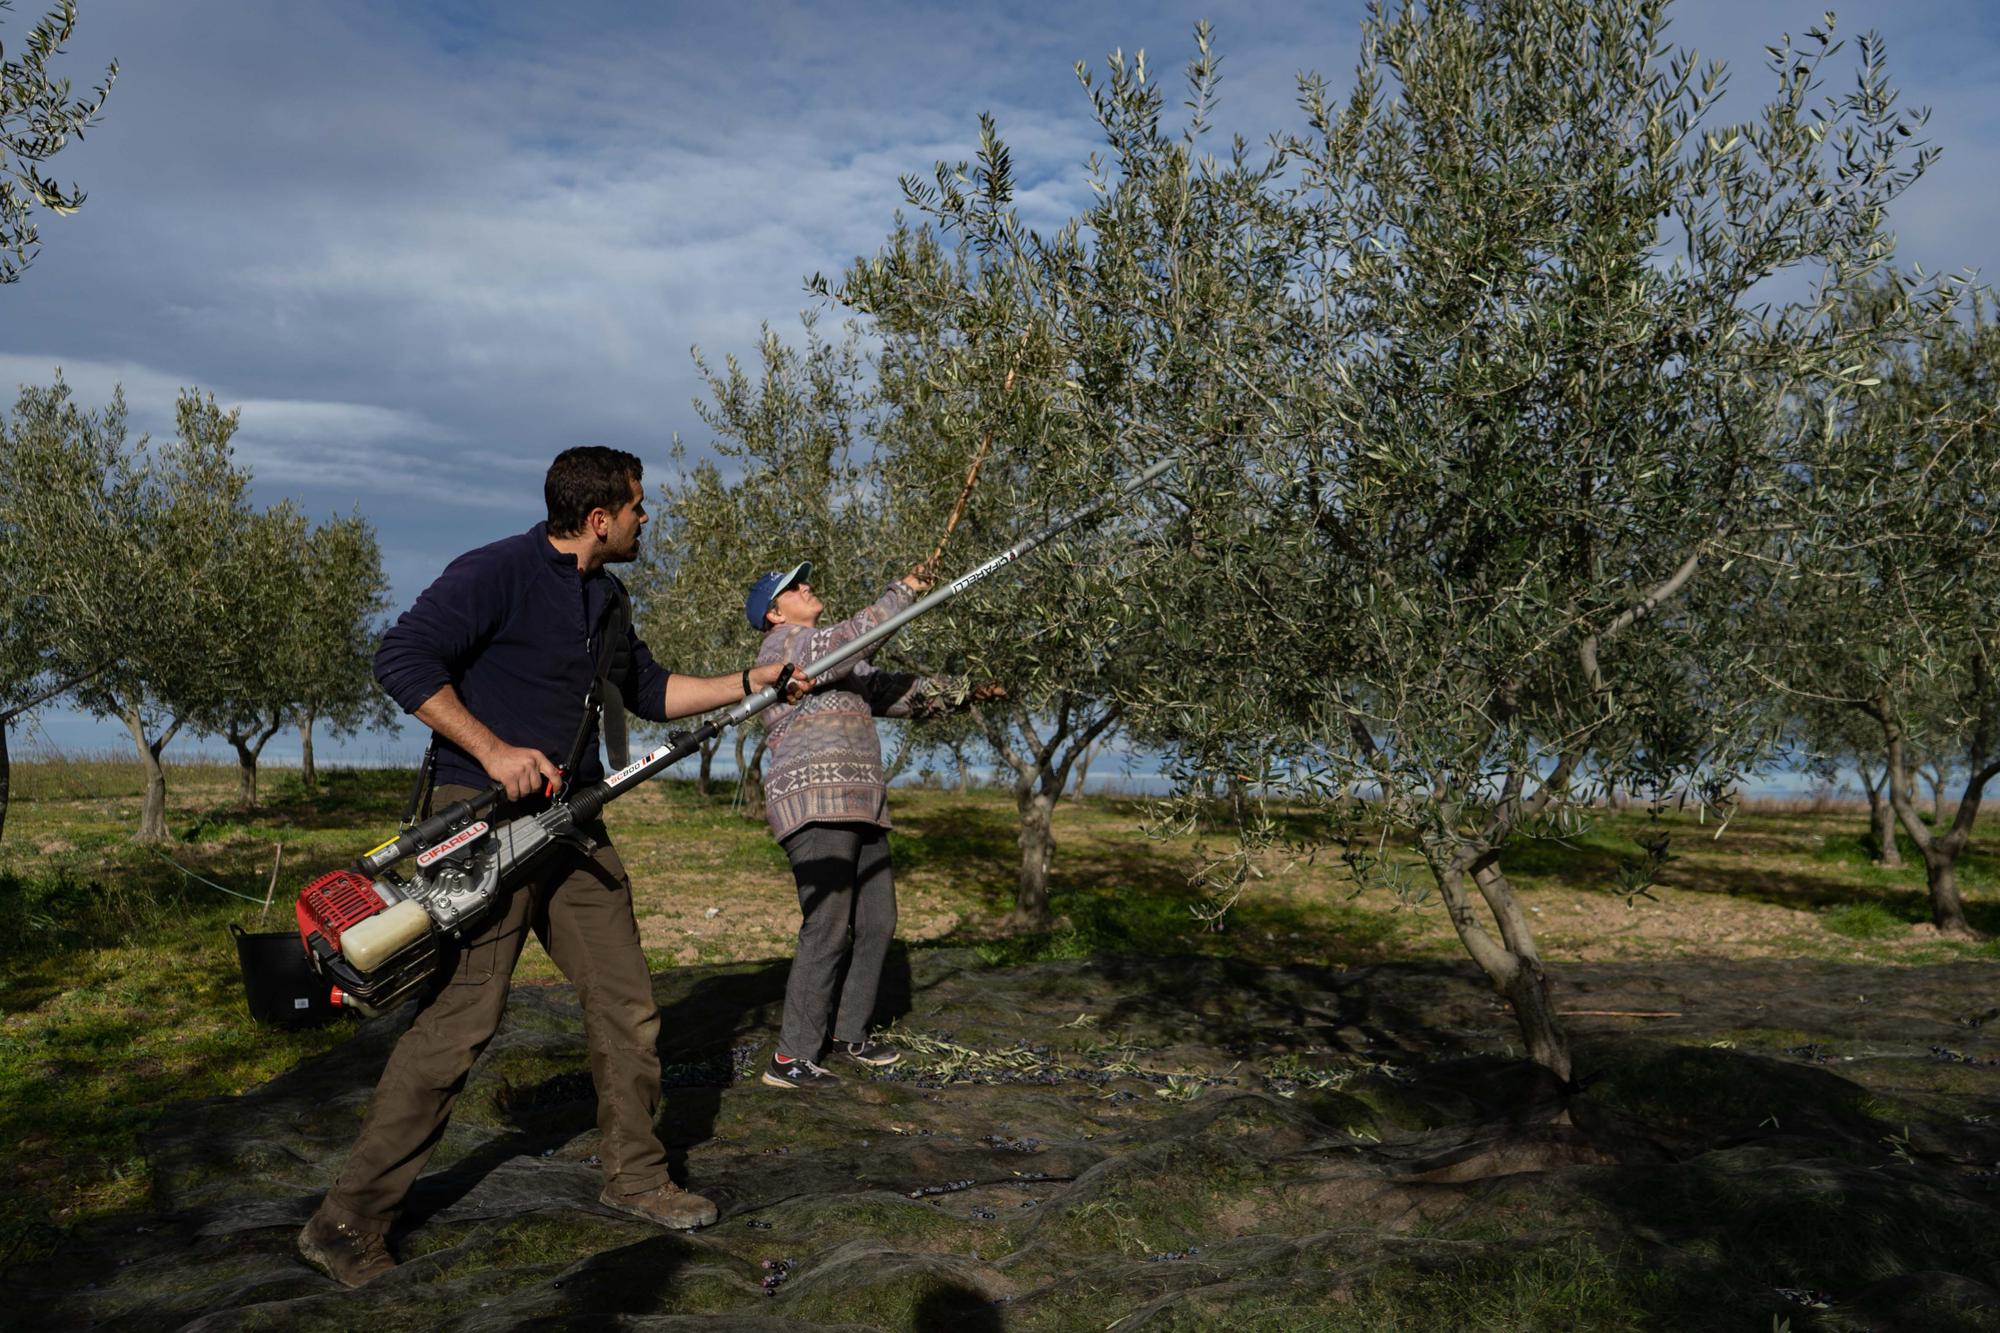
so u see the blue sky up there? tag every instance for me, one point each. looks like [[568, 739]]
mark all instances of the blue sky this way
[[424, 246]]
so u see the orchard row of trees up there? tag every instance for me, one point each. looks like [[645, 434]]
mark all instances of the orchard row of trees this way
[[138, 580], [1538, 435]]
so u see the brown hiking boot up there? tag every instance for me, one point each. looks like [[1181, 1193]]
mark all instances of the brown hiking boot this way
[[347, 1255], [668, 1205]]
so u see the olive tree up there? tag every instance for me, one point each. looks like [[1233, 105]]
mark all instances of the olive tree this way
[[1557, 408], [1833, 737], [690, 580], [267, 587], [305, 606], [172, 595], [139, 576], [38, 119], [71, 497], [1481, 392], [990, 355], [330, 644], [1895, 592], [1038, 630]]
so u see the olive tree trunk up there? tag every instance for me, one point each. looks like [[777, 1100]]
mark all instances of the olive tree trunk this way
[[1881, 819], [1464, 861], [1041, 772], [750, 780], [1512, 964], [1942, 847], [1037, 840], [1936, 777], [1458, 856], [704, 776], [308, 775], [153, 813], [1467, 873], [1083, 761], [249, 743]]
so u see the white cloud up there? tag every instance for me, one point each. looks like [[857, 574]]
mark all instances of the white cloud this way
[[287, 444]]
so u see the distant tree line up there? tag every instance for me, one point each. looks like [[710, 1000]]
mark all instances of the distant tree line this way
[[137, 579]]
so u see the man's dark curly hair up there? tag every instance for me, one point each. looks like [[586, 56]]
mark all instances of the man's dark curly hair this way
[[588, 477]]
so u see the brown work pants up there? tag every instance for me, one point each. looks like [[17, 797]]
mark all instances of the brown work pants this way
[[580, 908]]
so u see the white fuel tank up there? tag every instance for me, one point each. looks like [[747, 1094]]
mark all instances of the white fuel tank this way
[[369, 944]]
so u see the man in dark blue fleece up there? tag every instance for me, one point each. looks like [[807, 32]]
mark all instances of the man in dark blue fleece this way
[[497, 658]]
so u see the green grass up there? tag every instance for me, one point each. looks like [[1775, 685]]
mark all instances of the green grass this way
[[1857, 850], [1593, 850], [115, 1036], [1764, 1221], [119, 995], [120, 991], [1561, 1281], [1167, 1202], [1569, 1284], [1868, 921], [1098, 918], [904, 1300]]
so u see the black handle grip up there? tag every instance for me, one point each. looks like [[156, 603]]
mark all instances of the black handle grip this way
[[587, 804], [422, 835]]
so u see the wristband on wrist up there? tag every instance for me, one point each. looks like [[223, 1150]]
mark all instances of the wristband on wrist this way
[[746, 682]]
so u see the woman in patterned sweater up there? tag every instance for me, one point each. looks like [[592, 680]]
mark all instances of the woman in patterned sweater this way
[[828, 807]]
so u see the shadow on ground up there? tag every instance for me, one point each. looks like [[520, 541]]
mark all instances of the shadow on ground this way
[[1147, 1143], [1784, 863]]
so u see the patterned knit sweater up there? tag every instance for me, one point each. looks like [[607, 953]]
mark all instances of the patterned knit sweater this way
[[825, 759]]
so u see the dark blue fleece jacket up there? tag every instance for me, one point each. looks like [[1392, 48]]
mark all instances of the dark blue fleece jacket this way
[[514, 627]]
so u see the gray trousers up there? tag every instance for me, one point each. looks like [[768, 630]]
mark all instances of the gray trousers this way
[[581, 910], [847, 909]]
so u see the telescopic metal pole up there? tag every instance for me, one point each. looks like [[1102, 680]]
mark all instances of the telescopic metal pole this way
[[585, 805]]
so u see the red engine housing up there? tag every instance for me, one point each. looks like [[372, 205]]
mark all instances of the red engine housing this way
[[333, 903]]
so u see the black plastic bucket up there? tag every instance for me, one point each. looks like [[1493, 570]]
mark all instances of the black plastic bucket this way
[[281, 986]]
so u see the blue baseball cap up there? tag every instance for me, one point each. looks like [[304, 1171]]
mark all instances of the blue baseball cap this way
[[765, 591]]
